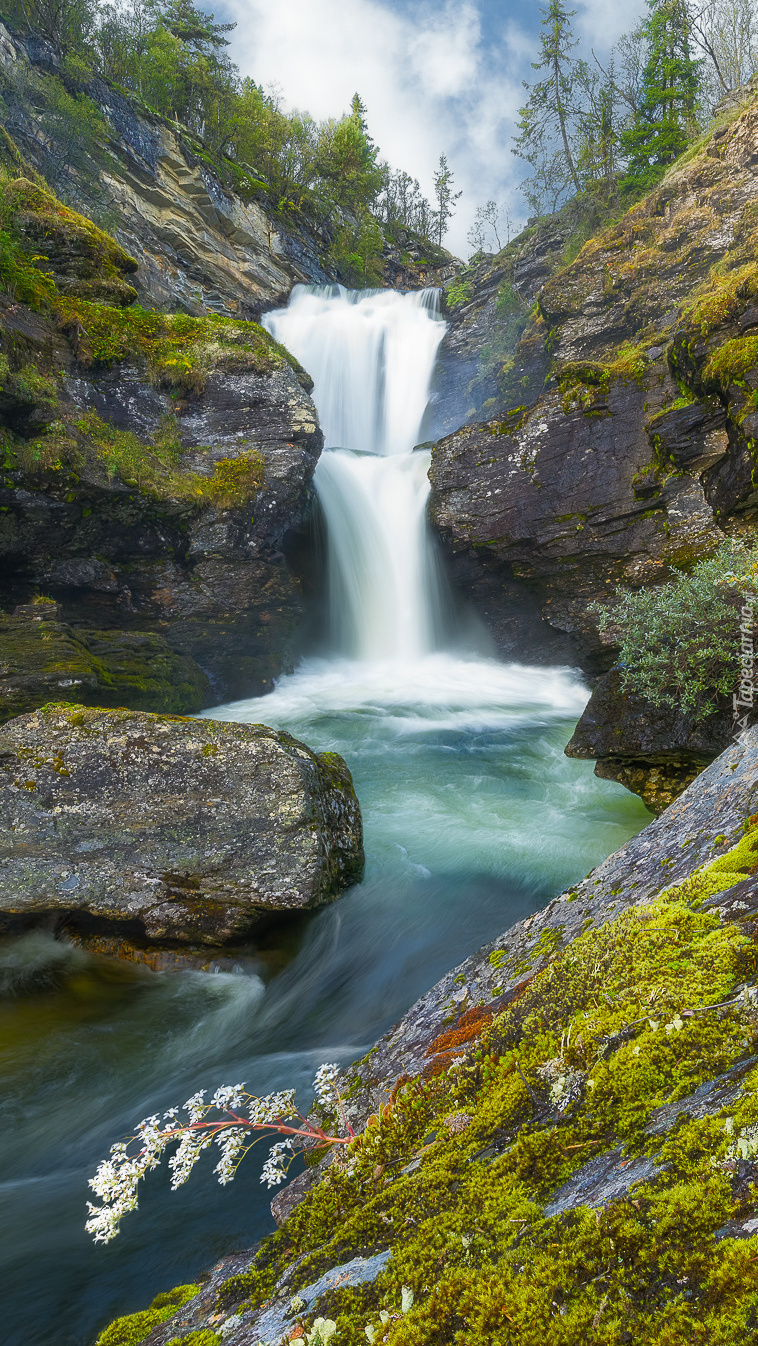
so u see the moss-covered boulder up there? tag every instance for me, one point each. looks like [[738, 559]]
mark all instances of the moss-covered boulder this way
[[173, 830], [42, 659]]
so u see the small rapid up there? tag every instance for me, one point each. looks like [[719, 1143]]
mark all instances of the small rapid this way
[[473, 819]]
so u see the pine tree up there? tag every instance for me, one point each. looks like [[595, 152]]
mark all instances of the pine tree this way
[[668, 96], [548, 114]]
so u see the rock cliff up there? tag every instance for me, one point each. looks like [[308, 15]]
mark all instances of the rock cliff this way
[[155, 467], [203, 229], [618, 440]]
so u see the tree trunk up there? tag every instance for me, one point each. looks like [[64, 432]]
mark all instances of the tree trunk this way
[[562, 122]]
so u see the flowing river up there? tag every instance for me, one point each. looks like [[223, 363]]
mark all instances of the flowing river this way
[[473, 818]]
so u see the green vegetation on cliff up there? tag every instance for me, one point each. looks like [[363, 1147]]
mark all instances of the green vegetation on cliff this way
[[680, 641], [171, 58], [177, 351]]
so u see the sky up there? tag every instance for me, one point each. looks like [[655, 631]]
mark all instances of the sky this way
[[436, 76]]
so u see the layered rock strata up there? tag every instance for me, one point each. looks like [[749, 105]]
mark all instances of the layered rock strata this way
[[155, 468], [204, 229]]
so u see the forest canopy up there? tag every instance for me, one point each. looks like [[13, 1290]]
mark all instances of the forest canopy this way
[[615, 127], [174, 58]]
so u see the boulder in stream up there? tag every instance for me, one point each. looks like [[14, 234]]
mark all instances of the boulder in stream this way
[[168, 829]]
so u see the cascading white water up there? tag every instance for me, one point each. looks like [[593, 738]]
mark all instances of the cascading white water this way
[[371, 355]]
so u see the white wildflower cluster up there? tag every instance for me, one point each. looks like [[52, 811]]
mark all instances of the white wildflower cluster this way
[[275, 1168], [229, 1096], [325, 1086], [186, 1156], [117, 1178], [233, 1150], [273, 1108]]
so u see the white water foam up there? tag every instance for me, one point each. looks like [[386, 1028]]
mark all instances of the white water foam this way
[[429, 694]]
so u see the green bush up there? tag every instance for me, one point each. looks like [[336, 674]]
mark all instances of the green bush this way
[[680, 641]]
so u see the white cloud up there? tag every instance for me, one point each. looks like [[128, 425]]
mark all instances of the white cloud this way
[[435, 78]]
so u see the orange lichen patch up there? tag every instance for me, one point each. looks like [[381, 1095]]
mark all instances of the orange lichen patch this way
[[469, 1026]]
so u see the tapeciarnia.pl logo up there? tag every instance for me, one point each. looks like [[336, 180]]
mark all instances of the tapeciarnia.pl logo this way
[[743, 700]]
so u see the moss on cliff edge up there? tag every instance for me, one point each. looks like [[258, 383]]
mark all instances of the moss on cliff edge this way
[[48, 247], [180, 351], [132, 1329]]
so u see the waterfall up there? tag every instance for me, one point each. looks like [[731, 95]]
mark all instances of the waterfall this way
[[371, 355]]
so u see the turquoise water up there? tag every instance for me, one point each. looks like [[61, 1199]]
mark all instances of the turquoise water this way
[[473, 818]]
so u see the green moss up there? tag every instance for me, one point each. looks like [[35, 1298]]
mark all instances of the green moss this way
[[154, 468], [731, 362], [103, 668], [179, 350], [459, 292], [468, 1235], [132, 1329], [44, 243], [722, 297], [628, 1017], [720, 874], [584, 384]]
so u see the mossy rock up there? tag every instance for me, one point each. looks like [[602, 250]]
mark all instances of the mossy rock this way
[[178, 350], [135, 1327], [82, 259], [194, 831], [137, 669], [575, 1161]]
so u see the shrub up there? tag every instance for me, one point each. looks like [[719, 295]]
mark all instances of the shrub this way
[[680, 641]]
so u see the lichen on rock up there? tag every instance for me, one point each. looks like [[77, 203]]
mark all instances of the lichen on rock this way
[[172, 830]]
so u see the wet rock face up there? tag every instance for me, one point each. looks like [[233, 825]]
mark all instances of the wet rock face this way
[[568, 502], [212, 581], [655, 751], [42, 659], [177, 831]]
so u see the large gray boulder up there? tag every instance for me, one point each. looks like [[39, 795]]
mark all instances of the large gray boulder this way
[[176, 830]]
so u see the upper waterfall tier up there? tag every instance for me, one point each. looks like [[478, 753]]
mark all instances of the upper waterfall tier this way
[[371, 354]]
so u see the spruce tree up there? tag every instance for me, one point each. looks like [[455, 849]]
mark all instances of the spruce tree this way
[[549, 112], [668, 96]]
